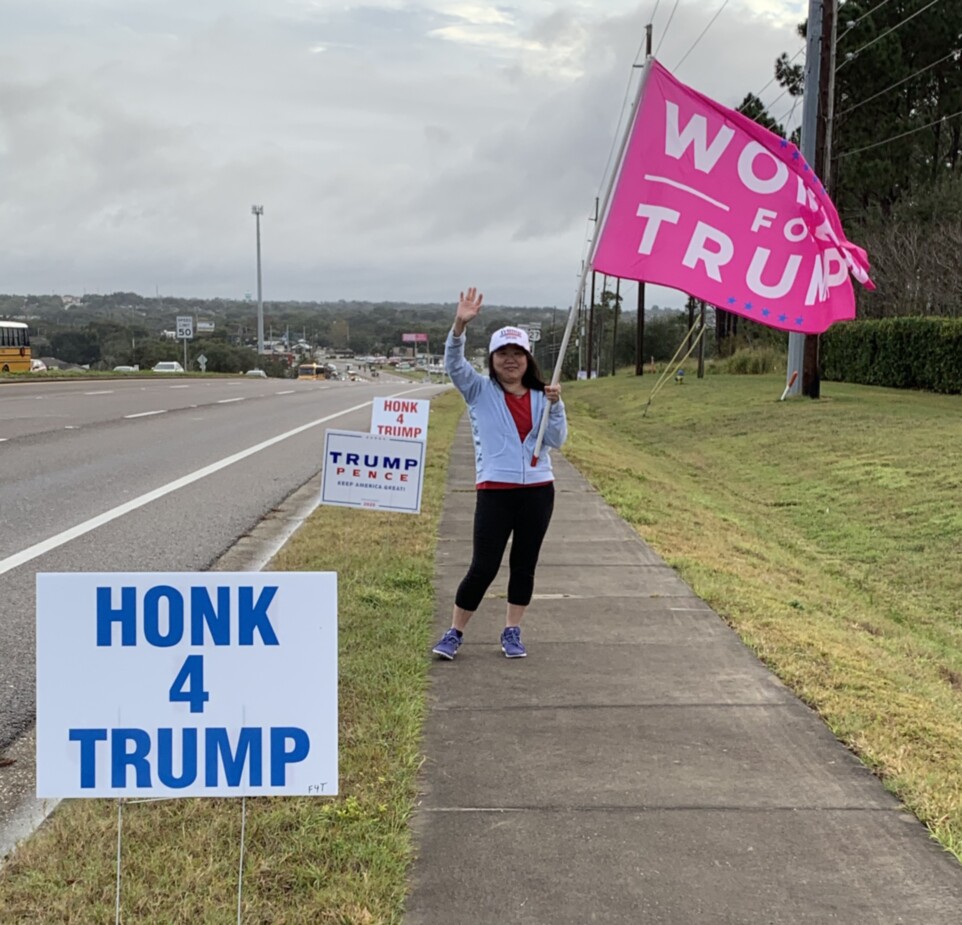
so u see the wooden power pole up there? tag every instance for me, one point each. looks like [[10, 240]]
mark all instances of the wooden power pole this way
[[811, 375], [640, 326], [591, 324]]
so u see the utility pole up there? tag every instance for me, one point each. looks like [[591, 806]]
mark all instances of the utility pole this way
[[640, 326], [614, 327], [811, 376], [591, 323], [813, 69], [600, 361], [257, 212], [581, 323], [701, 342], [581, 331]]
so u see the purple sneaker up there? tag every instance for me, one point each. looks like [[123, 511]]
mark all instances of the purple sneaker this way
[[511, 642], [449, 644]]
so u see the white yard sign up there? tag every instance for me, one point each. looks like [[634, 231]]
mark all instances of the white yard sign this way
[[368, 471], [400, 417], [186, 684]]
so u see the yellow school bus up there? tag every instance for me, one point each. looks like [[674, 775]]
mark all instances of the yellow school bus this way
[[14, 347], [311, 371]]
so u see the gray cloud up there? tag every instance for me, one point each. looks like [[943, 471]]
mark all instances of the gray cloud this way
[[400, 150]]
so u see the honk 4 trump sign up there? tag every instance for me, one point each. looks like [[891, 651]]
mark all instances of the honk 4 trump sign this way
[[710, 202], [400, 417], [186, 684]]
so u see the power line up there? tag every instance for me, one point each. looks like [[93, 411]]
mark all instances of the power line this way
[[617, 134], [763, 89], [898, 83], [667, 24], [700, 37], [851, 25], [774, 101], [589, 233], [911, 131], [850, 56], [786, 116]]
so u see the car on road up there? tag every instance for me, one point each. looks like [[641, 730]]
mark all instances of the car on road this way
[[258, 373], [126, 369], [168, 366]]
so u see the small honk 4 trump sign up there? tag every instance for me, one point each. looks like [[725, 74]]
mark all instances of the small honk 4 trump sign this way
[[400, 417], [186, 684]]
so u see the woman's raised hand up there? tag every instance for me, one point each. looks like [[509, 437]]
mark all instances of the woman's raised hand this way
[[469, 306]]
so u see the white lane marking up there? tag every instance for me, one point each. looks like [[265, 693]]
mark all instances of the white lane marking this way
[[144, 414], [71, 427], [180, 386], [227, 401], [45, 546], [54, 542], [103, 392], [4, 439], [288, 392]]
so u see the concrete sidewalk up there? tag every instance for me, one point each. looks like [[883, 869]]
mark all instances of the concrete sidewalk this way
[[641, 765]]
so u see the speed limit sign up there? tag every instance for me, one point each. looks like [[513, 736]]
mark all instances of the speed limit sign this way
[[185, 327]]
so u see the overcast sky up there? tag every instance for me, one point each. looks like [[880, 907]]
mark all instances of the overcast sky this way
[[401, 151]]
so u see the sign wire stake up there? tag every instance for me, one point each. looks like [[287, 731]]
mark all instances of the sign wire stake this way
[[240, 869], [120, 836]]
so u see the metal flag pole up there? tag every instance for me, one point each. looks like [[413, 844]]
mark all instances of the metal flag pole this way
[[586, 267]]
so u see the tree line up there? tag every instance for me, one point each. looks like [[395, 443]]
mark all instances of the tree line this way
[[895, 169]]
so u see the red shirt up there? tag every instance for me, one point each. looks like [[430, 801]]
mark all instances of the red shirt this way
[[520, 408]]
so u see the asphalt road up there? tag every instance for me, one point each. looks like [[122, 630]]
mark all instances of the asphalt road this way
[[146, 475]]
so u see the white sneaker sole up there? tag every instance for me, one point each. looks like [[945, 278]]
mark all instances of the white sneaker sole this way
[[444, 655], [521, 655]]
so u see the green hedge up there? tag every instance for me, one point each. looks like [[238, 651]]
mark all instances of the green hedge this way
[[901, 353]]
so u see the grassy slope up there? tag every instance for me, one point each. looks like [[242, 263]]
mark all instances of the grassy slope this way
[[827, 533]]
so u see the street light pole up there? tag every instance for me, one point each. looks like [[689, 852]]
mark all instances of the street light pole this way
[[257, 212]]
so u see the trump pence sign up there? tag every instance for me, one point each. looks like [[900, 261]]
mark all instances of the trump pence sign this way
[[371, 471]]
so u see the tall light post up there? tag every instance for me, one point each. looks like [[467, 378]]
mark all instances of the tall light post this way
[[257, 212]]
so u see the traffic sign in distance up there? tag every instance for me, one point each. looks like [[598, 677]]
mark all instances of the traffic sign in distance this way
[[185, 327]]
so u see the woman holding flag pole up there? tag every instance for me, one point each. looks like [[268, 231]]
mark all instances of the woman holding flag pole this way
[[515, 488]]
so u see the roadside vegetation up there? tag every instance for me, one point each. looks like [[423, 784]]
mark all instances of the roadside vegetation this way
[[827, 533]]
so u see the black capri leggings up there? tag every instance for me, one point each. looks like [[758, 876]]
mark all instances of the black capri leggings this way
[[499, 512]]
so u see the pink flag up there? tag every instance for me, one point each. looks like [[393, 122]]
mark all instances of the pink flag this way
[[709, 202]]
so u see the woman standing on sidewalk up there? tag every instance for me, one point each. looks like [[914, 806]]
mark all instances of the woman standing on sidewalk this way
[[514, 497]]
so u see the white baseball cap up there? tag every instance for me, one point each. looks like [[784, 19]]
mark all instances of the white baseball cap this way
[[506, 336]]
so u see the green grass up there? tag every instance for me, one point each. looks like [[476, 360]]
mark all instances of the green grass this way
[[341, 860], [826, 532]]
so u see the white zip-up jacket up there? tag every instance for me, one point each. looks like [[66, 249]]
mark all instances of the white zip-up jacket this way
[[499, 454]]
